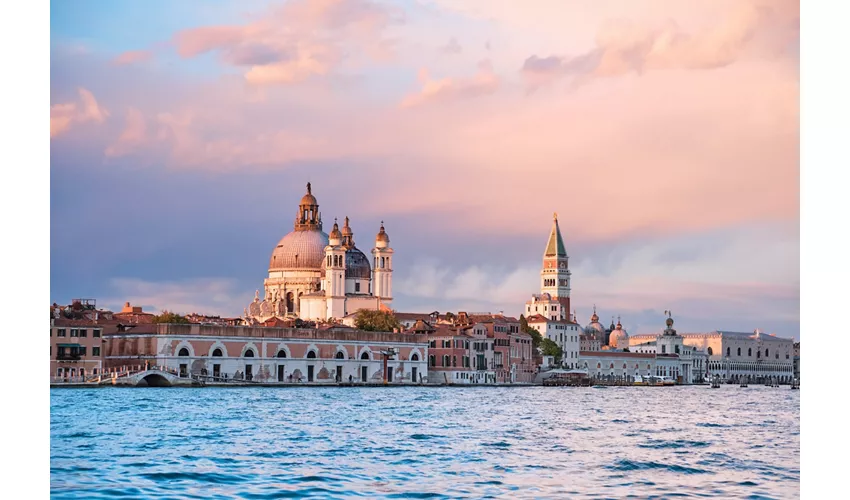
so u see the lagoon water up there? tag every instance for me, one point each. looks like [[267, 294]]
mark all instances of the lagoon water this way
[[420, 442]]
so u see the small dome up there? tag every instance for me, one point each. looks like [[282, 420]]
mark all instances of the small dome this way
[[346, 229], [299, 250], [335, 236], [382, 239], [308, 199], [669, 322], [619, 338], [357, 266]]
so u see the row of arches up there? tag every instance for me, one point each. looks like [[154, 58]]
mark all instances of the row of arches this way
[[250, 351], [710, 352]]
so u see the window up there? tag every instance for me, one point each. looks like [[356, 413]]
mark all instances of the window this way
[[95, 351], [81, 350], [414, 357], [217, 353], [357, 287], [310, 354], [340, 355], [767, 353], [185, 352], [432, 360], [728, 351], [750, 352], [95, 332], [84, 332], [250, 353], [75, 332]]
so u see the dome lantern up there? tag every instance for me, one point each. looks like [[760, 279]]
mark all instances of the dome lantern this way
[[382, 240], [335, 237]]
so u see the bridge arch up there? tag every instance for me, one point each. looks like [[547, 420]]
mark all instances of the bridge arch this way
[[154, 380]]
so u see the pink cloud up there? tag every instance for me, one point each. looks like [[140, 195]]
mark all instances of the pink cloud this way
[[133, 56], [623, 47], [62, 116], [484, 82], [303, 38]]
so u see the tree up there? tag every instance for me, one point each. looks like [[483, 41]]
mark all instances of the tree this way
[[376, 321], [550, 348], [536, 338], [170, 317]]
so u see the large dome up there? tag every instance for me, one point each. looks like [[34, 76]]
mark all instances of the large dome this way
[[300, 250], [357, 265]]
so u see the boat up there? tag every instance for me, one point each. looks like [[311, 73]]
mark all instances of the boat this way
[[715, 382], [744, 382], [599, 387], [795, 384]]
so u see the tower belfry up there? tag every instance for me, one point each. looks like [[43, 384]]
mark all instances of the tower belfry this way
[[555, 275]]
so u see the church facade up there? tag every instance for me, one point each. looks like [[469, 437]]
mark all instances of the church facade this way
[[319, 277]]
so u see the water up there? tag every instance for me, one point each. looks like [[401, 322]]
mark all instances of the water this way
[[531, 442]]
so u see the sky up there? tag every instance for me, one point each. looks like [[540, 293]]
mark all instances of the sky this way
[[665, 134]]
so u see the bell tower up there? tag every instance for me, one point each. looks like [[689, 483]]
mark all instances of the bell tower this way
[[335, 275], [382, 268], [555, 275]]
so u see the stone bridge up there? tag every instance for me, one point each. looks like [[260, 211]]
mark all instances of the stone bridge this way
[[152, 377]]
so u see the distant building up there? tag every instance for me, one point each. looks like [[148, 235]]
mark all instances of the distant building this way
[[796, 360], [732, 355]]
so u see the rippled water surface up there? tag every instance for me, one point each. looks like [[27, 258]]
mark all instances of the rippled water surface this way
[[419, 442]]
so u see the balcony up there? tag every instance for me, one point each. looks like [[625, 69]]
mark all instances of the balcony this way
[[68, 357]]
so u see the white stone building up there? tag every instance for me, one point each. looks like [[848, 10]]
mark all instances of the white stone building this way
[[733, 355], [316, 276]]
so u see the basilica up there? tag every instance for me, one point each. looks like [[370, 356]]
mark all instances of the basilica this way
[[318, 276]]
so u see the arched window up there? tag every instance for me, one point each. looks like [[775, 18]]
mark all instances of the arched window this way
[[183, 352], [432, 360], [767, 353], [365, 355], [758, 354], [414, 357], [728, 351], [598, 365], [677, 349], [311, 354], [217, 353], [281, 353], [739, 351], [249, 353], [750, 352], [710, 351], [340, 355], [612, 366]]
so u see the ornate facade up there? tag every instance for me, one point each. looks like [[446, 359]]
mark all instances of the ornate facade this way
[[316, 276]]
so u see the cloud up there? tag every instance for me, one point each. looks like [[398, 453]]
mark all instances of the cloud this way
[[301, 39], [453, 47], [737, 280], [181, 138], [623, 47], [484, 82], [133, 56], [62, 116], [213, 296]]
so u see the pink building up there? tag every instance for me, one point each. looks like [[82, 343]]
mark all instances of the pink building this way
[[76, 348], [272, 355]]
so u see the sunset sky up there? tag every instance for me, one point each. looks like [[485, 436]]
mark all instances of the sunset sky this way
[[665, 134]]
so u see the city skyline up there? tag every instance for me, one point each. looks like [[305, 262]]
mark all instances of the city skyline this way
[[667, 143]]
